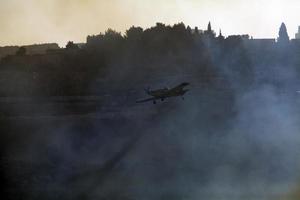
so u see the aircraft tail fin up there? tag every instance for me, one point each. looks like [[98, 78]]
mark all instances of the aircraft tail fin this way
[[147, 90]]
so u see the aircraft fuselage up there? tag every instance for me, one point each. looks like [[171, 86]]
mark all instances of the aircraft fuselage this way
[[166, 93]]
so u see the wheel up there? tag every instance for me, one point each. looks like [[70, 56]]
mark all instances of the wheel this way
[[162, 99], [154, 102]]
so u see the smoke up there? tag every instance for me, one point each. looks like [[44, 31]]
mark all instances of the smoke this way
[[219, 143]]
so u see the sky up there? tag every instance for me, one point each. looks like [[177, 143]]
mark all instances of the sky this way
[[34, 21]]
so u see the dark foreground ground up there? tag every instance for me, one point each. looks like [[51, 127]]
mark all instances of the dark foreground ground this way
[[212, 145]]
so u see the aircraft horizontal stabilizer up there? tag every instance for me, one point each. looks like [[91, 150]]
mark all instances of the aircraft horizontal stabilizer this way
[[145, 100]]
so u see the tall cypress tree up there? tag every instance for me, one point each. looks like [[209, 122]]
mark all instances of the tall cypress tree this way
[[283, 35], [209, 27]]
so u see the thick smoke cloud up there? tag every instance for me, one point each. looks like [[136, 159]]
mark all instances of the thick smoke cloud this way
[[234, 136]]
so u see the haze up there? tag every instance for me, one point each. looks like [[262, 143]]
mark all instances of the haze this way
[[34, 21]]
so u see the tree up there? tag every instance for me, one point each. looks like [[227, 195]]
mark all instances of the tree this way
[[189, 29], [134, 33], [197, 32], [209, 27], [111, 35], [71, 45], [21, 51], [283, 35], [179, 28]]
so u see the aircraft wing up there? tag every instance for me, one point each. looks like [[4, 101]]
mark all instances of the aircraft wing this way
[[145, 100]]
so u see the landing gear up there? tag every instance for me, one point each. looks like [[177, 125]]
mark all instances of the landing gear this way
[[154, 102], [162, 99], [182, 97]]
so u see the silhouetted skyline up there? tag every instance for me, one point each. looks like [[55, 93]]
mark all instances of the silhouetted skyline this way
[[33, 21]]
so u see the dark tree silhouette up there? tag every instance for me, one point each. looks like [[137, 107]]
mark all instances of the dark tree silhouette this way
[[111, 35], [71, 45], [189, 30], [197, 30], [283, 35], [134, 33], [209, 27], [21, 51]]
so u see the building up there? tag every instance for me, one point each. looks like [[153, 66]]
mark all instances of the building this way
[[30, 49], [197, 31], [209, 33], [262, 43], [297, 36]]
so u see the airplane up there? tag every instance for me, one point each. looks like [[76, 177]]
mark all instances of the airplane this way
[[164, 93]]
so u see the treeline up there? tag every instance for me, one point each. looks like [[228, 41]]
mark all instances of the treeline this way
[[111, 60]]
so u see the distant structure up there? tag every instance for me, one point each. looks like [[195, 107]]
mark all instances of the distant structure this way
[[283, 35], [297, 36], [197, 31], [209, 32], [209, 27], [220, 37], [262, 43], [30, 49]]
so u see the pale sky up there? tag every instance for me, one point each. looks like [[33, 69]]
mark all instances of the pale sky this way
[[39, 21]]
